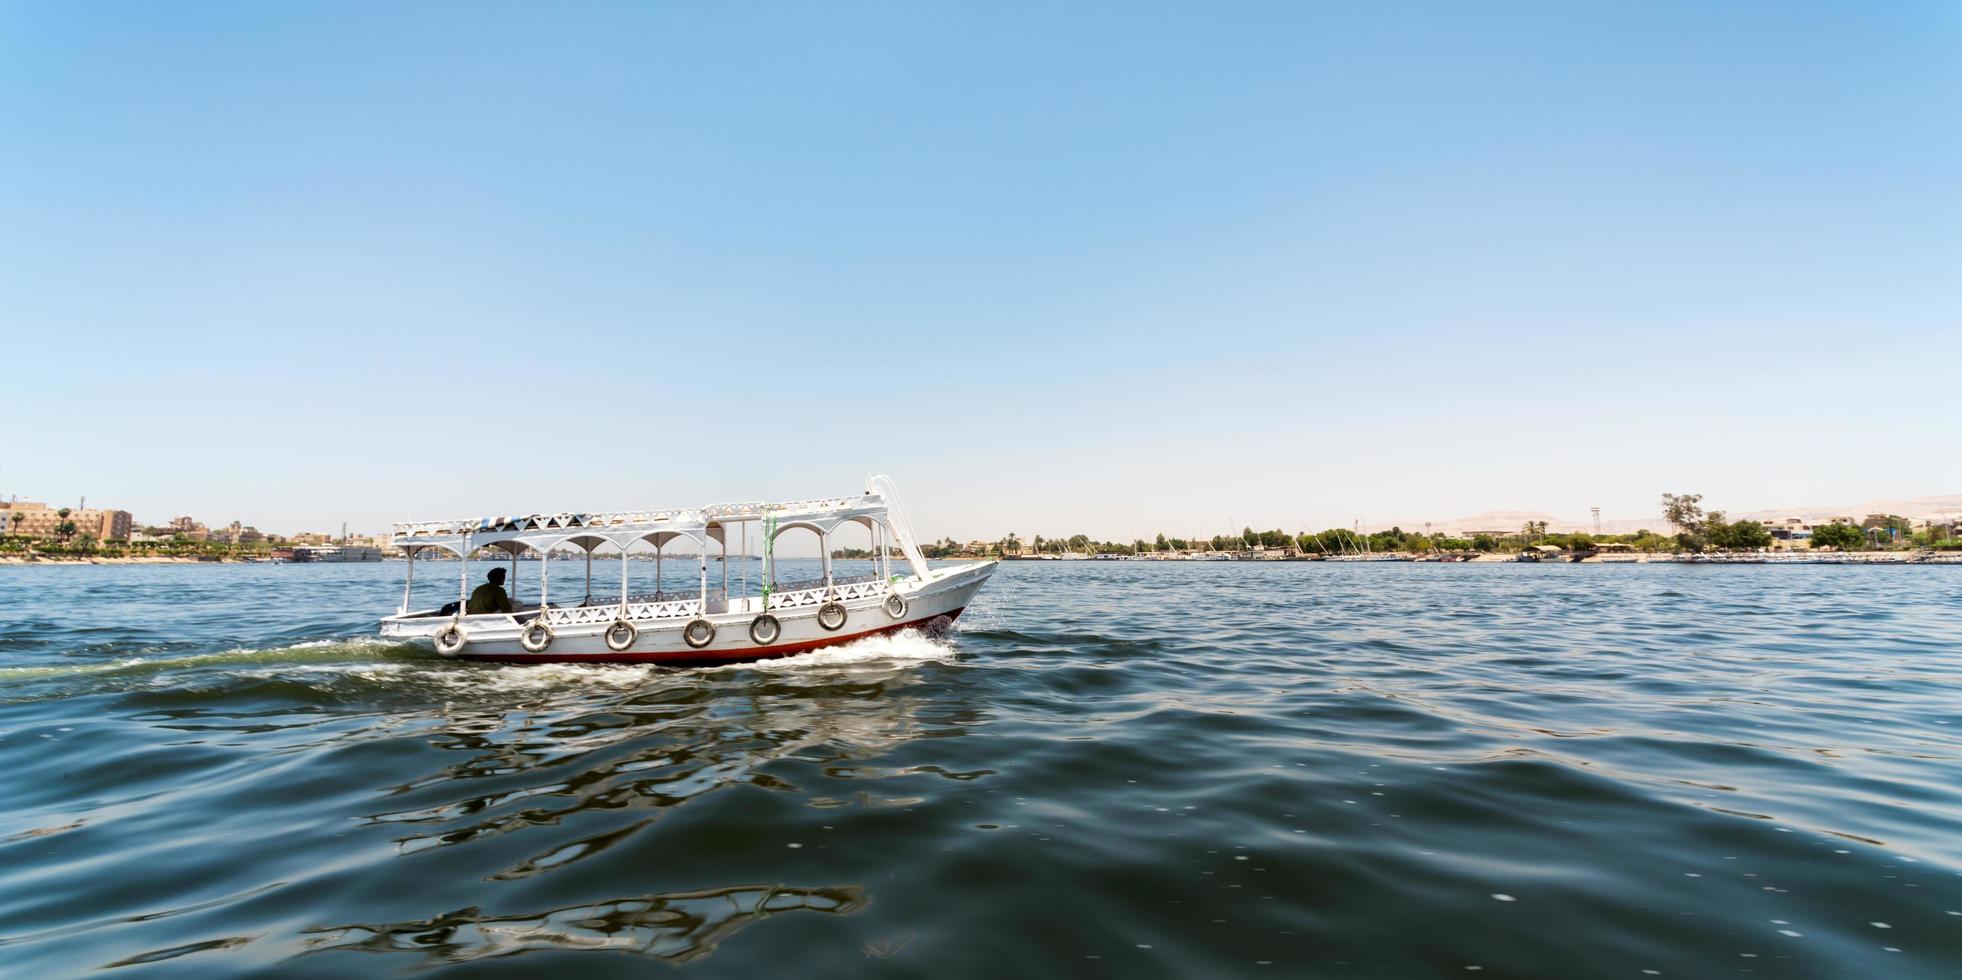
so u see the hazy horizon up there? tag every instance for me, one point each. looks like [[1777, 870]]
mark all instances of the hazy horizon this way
[[1103, 268]]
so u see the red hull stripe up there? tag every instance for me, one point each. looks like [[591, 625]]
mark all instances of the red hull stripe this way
[[697, 658]]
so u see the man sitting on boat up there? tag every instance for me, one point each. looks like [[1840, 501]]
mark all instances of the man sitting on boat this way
[[489, 597]]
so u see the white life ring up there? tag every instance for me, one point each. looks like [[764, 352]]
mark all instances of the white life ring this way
[[764, 630], [451, 639], [895, 606], [536, 637], [621, 628], [831, 616], [698, 633]]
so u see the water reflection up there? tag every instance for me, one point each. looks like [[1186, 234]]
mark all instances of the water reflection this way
[[676, 739], [677, 926]]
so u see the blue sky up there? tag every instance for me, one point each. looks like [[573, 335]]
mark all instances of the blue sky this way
[[1056, 267]]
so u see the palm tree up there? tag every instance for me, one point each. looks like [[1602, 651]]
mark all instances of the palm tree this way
[[17, 517]]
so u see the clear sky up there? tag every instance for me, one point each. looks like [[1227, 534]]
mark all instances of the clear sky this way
[[1110, 268]]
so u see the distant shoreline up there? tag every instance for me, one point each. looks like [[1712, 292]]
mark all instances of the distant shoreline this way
[[1781, 558], [122, 560], [1775, 558]]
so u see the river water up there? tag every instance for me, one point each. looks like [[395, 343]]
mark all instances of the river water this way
[[1109, 769]]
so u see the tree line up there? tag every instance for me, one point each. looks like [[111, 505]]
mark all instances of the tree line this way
[[1697, 530]]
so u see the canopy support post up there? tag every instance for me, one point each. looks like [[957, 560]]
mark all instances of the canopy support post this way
[[824, 556], [409, 585], [767, 576], [589, 575], [623, 580], [657, 573], [463, 576], [544, 578]]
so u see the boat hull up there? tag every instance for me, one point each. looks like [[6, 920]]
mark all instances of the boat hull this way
[[597, 651], [930, 606]]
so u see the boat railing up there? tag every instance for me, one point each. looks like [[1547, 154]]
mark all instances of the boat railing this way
[[799, 585], [670, 595], [638, 608], [802, 594]]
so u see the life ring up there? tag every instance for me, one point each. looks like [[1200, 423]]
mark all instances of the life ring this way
[[831, 615], [621, 628], [764, 630], [451, 639], [698, 633], [536, 637], [895, 606]]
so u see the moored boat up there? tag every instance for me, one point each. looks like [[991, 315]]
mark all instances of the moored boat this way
[[703, 624]]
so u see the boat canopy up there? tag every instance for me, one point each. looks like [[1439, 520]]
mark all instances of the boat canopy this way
[[878, 510]]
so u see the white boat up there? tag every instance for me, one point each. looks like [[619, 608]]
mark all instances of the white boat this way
[[705, 623]]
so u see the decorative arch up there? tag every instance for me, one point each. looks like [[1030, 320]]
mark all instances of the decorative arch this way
[[822, 530], [661, 539]]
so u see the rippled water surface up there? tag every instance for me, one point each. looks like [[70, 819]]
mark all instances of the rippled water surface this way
[[1110, 769]]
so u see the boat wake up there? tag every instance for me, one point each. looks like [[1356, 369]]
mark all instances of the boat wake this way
[[451, 678], [308, 652], [885, 650], [345, 665]]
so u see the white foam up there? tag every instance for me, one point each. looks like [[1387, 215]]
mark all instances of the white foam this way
[[524, 678], [285, 656], [359, 640], [318, 661], [903, 647]]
